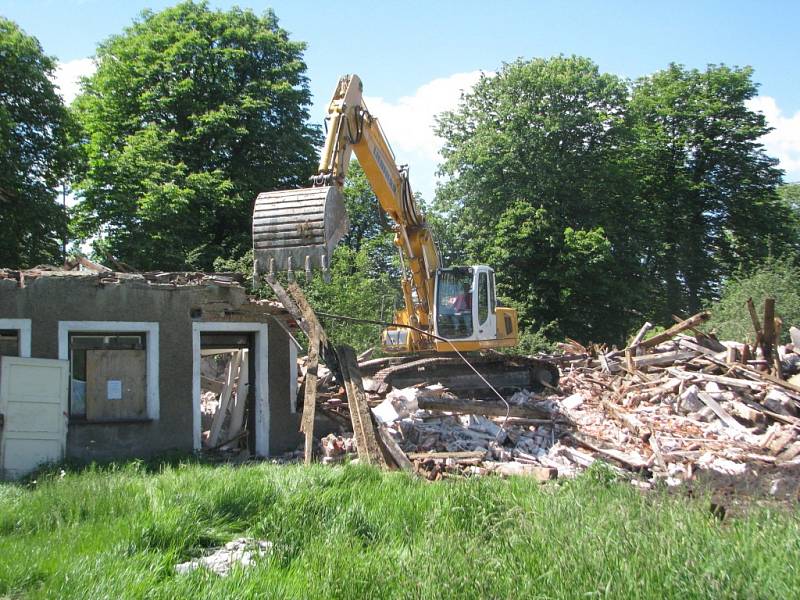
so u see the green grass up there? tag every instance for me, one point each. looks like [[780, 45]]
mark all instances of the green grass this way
[[353, 532]]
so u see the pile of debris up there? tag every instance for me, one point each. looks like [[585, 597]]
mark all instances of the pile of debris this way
[[668, 408], [241, 552]]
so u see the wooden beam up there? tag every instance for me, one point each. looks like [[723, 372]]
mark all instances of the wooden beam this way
[[662, 358], [637, 339], [768, 339], [480, 407], [242, 388], [692, 321], [751, 308], [289, 304], [724, 416], [219, 417], [465, 455], [395, 451], [310, 395], [296, 303], [363, 427]]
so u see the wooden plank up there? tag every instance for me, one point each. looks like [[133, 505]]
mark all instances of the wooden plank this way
[[632, 462], [466, 455], [769, 328], [718, 346], [395, 451], [242, 389], [231, 374], [122, 371], [630, 366], [306, 312], [310, 395], [721, 379], [731, 355], [690, 345], [308, 322], [363, 427], [637, 339], [662, 358], [719, 411], [480, 407], [692, 321], [289, 304]]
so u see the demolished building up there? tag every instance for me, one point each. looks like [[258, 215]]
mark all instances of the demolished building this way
[[107, 365]]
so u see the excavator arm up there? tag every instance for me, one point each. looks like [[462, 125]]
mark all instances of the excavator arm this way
[[353, 129], [278, 238]]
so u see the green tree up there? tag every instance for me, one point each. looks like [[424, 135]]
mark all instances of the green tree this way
[[789, 194], [538, 182], [369, 226], [34, 152], [365, 272], [191, 113], [356, 290], [710, 187]]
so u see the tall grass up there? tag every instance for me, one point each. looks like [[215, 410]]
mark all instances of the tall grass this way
[[353, 532]]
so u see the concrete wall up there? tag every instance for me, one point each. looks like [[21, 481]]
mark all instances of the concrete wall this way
[[48, 300]]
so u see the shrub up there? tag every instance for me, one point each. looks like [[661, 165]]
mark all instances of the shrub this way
[[776, 278]]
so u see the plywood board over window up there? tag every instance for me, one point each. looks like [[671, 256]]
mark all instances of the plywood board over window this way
[[116, 385]]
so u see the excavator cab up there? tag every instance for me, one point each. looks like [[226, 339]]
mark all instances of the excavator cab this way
[[466, 311], [466, 314]]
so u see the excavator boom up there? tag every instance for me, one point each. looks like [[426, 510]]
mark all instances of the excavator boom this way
[[443, 308]]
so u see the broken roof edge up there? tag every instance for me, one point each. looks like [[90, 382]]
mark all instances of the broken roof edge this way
[[167, 278]]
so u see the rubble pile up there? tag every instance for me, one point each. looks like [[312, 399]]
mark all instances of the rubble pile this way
[[241, 551], [682, 407]]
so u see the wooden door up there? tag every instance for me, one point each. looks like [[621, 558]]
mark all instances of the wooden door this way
[[33, 402]]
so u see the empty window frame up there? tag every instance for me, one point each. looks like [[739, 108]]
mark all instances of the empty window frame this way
[[15, 337], [9, 342]]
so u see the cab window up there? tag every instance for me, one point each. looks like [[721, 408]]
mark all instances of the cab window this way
[[454, 303], [483, 298]]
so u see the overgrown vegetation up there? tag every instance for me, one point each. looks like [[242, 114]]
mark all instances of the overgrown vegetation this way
[[774, 278], [354, 532]]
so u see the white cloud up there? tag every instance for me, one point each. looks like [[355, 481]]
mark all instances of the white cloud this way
[[409, 125], [783, 142], [68, 74]]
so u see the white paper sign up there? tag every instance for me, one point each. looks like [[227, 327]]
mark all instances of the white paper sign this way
[[113, 389]]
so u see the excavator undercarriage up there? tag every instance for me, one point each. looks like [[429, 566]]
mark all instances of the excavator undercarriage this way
[[506, 374]]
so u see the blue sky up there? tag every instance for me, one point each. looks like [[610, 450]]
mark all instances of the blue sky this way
[[415, 57]]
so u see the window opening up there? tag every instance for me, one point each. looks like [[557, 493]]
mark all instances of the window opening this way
[[9, 342], [116, 363]]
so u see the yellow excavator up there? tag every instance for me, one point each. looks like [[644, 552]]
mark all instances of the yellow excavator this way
[[448, 308]]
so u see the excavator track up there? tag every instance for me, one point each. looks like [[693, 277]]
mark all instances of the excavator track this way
[[507, 374]]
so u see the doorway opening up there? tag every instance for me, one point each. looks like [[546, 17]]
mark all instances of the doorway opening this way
[[227, 411]]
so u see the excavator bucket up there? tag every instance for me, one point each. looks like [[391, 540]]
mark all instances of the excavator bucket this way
[[298, 229]]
